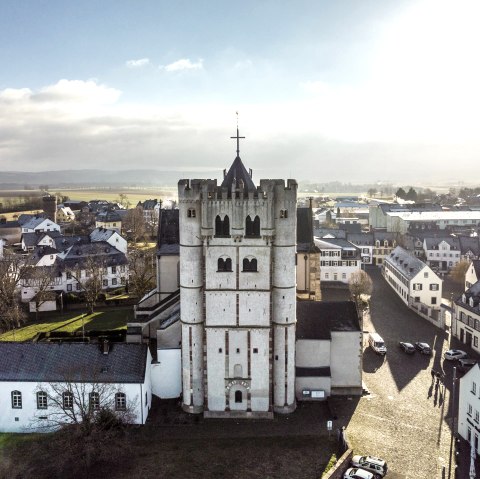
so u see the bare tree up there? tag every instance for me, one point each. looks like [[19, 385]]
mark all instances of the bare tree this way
[[41, 279], [89, 275], [89, 417], [142, 272], [457, 273], [123, 200], [361, 287], [13, 269], [134, 224]]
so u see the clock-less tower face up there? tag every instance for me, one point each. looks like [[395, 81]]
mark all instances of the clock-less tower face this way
[[240, 300]]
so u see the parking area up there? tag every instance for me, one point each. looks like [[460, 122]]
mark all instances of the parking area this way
[[406, 416]]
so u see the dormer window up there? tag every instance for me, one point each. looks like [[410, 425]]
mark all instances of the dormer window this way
[[470, 302], [464, 298]]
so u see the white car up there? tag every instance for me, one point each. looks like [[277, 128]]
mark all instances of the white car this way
[[452, 354], [357, 473], [375, 465]]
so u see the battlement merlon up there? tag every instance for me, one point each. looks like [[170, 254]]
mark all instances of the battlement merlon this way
[[280, 190], [196, 188]]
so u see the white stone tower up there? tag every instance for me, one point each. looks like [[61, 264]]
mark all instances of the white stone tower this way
[[237, 294]]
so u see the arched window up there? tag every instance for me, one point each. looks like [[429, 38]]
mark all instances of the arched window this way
[[120, 402], [224, 264], [222, 227], [256, 226], [238, 396], [42, 400], [226, 226], [249, 264], [16, 400], [218, 226]]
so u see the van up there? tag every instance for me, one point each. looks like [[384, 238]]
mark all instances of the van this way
[[377, 344]]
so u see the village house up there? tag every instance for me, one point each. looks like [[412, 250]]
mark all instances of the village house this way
[[466, 317]]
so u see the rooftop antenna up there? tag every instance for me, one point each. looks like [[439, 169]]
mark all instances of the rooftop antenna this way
[[238, 138]]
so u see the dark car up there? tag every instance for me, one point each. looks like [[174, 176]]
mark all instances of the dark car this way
[[424, 348], [409, 348], [465, 364]]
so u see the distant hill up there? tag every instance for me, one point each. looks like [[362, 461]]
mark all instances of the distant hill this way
[[66, 178]]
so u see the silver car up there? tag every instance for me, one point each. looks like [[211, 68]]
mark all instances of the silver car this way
[[375, 465]]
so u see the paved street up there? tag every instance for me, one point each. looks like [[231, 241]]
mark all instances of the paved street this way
[[406, 416]]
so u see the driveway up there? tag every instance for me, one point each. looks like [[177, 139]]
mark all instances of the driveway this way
[[406, 417]]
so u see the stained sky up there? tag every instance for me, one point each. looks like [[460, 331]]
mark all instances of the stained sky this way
[[326, 90]]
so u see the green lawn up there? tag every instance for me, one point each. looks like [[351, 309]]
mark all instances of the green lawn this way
[[71, 322]]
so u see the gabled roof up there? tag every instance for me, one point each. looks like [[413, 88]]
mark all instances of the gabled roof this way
[[32, 223], [100, 251], [238, 177], [432, 242], [361, 239], [334, 243], [79, 362], [101, 234], [469, 243], [108, 216], [403, 261], [317, 319], [476, 267], [148, 204], [330, 232]]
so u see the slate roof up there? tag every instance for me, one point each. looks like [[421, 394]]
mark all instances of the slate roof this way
[[32, 223], [80, 362], [403, 261], [26, 217], [148, 204], [108, 216], [33, 238], [433, 243], [337, 233], [168, 237], [238, 175], [469, 243], [100, 251], [361, 239], [62, 243], [317, 319], [101, 234], [476, 266]]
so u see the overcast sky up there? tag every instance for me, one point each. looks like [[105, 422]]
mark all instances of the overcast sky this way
[[343, 90]]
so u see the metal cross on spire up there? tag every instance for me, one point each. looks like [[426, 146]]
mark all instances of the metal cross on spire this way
[[238, 139]]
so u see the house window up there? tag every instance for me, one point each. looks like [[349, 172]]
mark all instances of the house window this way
[[114, 270], [417, 286], [114, 281], [238, 396], [474, 387], [326, 275], [434, 300], [105, 283], [249, 264], [434, 287], [255, 350], [114, 224], [94, 401], [120, 402], [425, 275], [477, 416], [470, 409], [67, 398], [77, 286], [69, 287], [16, 400], [41, 400], [344, 275], [69, 275], [475, 341]]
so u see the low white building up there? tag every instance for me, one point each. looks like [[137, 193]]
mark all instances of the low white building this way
[[415, 283], [328, 350], [39, 223], [469, 406], [112, 237], [30, 371]]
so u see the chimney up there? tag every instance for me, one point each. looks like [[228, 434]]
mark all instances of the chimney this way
[[105, 347]]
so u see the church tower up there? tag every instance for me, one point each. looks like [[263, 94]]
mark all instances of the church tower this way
[[237, 294]]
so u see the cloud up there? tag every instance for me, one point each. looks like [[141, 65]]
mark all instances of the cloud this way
[[184, 64], [141, 62]]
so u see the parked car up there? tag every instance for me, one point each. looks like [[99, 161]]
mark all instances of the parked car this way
[[453, 354], [357, 473], [409, 348], [375, 465], [465, 364], [424, 348]]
